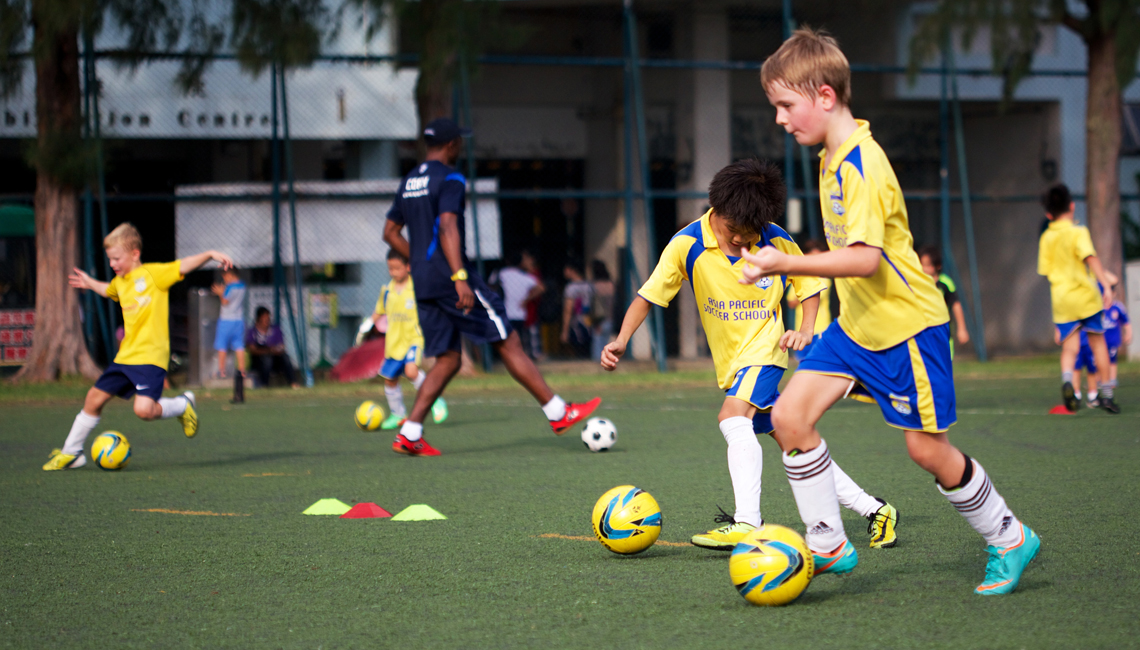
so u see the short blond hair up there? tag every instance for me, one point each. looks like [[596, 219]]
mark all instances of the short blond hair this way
[[125, 235], [807, 61]]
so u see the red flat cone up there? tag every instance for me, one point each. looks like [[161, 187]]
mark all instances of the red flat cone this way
[[1060, 410], [366, 511]]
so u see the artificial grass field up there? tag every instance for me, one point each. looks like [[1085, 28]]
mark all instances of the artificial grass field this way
[[83, 564]]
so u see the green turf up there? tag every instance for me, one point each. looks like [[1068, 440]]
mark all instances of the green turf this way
[[83, 565]]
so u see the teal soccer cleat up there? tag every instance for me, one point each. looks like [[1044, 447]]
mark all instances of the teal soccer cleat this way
[[1004, 568], [842, 560]]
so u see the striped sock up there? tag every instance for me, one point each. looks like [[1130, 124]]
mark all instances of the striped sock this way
[[813, 486], [984, 508]]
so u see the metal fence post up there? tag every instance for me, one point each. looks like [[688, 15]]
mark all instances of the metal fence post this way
[[465, 103], [300, 327], [275, 194], [104, 312]]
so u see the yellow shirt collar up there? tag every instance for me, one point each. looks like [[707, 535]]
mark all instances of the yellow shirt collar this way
[[861, 133], [707, 231]]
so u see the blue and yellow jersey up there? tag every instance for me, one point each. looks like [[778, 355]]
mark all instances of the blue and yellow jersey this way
[[144, 296], [403, 319], [1061, 257], [823, 316], [743, 323], [862, 203]]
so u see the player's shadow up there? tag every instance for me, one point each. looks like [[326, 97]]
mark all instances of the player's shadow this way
[[257, 458]]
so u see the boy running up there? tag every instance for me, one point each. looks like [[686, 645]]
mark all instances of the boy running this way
[[891, 339], [1067, 257], [403, 342], [746, 334], [140, 366]]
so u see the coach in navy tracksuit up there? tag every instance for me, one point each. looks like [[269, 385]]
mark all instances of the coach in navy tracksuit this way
[[451, 297]]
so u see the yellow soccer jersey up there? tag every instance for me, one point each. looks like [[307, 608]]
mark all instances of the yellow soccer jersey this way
[[743, 323], [144, 296], [403, 320], [1061, 257], [862, 202], [823, 316]]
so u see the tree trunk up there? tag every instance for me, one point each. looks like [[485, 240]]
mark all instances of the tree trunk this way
[[1102, 153], [58, 348], [438, 60]]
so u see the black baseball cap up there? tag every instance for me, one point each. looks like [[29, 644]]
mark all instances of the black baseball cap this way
[[442, 130]]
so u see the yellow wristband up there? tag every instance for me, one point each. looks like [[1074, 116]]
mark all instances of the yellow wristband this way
[[461, 274]]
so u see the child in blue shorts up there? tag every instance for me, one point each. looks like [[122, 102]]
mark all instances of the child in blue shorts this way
[[230, 334]]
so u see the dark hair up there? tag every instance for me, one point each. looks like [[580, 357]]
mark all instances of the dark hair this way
[[573, 263], [232, 269], [933, 252], [260, 310], [814, 246], [514, 258], [749, 194], [393, 254], [1057, 200], [600, 270]]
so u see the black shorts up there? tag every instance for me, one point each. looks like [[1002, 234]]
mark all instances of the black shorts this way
[[125, 381], [442, 322]]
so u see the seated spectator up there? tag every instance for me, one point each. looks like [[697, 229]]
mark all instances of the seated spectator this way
[[577, 298], [266, 347]]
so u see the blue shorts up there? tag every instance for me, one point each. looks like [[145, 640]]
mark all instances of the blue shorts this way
[[759, 386], [442, 322], [230, 335], [393, 368], [1085, 359], [125, 381], [913, 382], [1092, 325]]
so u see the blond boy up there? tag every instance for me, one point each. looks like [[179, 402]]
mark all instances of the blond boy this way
[[891, 340], [139, 369]]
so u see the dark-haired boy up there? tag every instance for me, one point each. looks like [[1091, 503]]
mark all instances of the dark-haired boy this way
[[1066, 256], [931, 259], [745, 328]]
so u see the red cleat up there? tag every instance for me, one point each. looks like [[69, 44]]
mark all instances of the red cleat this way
[[402, 445], [575, 413]]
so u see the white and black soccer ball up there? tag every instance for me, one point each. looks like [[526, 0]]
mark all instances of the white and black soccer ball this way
[[599, 435]]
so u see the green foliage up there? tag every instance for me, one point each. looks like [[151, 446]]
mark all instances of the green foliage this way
[[66, 156], [287, 32], [13, 31]]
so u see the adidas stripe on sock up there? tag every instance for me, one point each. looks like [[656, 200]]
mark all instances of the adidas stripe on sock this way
[[813, 486], [985, 510]]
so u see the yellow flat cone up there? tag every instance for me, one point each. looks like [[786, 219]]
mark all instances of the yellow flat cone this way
[[328, 507], [418, 512]]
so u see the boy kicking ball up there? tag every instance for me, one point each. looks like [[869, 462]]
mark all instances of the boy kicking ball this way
[[140, 366], [892, 336], [745, 327]]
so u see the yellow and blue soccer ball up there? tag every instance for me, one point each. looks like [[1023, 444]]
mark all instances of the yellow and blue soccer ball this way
[[369, 415], [111, 451], [627, 520], [771, 566]]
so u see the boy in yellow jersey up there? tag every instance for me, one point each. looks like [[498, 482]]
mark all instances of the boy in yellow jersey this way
[[891, 340], [403, 342], [746, 334], [140, 366], [823, 315], [1066, 256]]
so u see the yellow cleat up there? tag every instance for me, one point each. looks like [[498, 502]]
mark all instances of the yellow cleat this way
[[189, 417], [726, 537], [882, 526], [60, 460]]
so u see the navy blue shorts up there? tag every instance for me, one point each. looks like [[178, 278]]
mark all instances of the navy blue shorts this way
[[442, 322], [125, 381], [1085, 359], [1092, 325]]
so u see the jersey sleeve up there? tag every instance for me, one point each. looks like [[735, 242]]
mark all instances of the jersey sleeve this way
[[451, 193], [805, 286], [1082, 243], [396, 211], [113, 289], [1044, 259], [866, 217], [665, 281], [165, 275], [380, 301]]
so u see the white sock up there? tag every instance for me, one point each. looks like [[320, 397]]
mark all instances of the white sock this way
[[813, 486], [413, 431], [172, 407], [81, 428], [851, 496], [555, 409], [745, 466], [1077, 394], [395, 400], [985, 509], [419, 380]]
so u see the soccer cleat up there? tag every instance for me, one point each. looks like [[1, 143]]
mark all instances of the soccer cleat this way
[[439, 411], [393, 421], [1004, 568], [1092, 402], [1109, 404], [881, 526], [402, 445], [1069, 396], [726, 537], [189, 417], [841, 560], [575, 413], [60, 460]]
